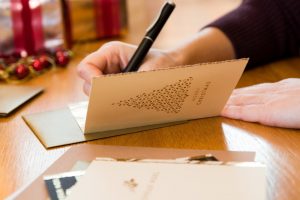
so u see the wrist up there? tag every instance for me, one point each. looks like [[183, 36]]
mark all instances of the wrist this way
[[208, 45], [177, 56]]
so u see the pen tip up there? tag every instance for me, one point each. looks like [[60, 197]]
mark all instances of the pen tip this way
[[171, 2]]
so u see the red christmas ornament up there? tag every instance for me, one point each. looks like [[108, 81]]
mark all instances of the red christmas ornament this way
[[62, 58], [20, 66], [44, 61], [37, 65], [21, 71]]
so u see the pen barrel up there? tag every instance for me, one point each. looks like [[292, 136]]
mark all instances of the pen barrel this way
[[139, 55], [156, 27], [151, 35]]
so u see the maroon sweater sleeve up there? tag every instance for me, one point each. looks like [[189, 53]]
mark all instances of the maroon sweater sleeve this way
[[263, 30]]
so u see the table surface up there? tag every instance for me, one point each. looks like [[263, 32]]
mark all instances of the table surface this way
[[23, 157]]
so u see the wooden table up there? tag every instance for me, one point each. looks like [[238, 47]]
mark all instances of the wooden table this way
[[23, 157]]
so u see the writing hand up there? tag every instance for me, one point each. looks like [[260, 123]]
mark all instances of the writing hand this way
[[113, 58]]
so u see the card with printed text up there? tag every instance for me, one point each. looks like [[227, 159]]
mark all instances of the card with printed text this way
[[136, 99]]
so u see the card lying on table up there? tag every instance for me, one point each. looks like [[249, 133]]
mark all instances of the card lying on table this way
[[60, 185], [127, 100], [13, 96], [154, 179], [87, 152], [137, 101]]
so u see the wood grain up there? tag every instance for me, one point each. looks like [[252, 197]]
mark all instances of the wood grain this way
[[23, 158]]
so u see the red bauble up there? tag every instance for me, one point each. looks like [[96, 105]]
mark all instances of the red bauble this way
[[11, 68], [37, 65], [62, 58], [40, 63], [44, 61], [21, 71]]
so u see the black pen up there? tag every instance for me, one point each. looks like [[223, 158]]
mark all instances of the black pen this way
[[151, 34]]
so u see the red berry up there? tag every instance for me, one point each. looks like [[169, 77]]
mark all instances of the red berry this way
[[21, 71], [37, 65], [62, 58], [44, 61], [60, 52]]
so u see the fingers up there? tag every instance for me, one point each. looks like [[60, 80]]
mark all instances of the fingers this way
[[255, 89], [88, 71], [114, 56], [105, 60], [273, 104], [249, 99], [87, 88], [248, 104], [251, 113], [285, 86], [91, 66], [272, 115]]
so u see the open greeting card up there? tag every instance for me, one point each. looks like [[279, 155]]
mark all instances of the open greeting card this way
[[130, 102]]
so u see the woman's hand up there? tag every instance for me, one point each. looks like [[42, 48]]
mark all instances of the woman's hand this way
[[113, 58], [273, 104]]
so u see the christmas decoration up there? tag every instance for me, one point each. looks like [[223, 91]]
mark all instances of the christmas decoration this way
[[37, 65], [102, 19], [27, 26], [45, 61], [16, 68], [21, 71], [62, 58]]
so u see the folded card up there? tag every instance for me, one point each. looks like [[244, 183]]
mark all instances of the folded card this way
[[127, 100], [154, 179]]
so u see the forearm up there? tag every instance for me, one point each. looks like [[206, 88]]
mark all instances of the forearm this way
[[263, 30], [210, 44]]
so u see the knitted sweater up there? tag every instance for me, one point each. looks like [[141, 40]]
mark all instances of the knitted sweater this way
[[263, 30]]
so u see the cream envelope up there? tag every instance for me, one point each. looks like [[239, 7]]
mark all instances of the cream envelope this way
[[127, 100], [106, 179]]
